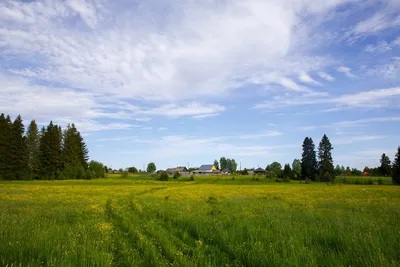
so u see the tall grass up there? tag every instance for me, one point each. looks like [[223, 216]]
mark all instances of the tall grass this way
[[205, 222]]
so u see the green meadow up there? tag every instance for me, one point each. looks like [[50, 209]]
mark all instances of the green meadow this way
[[211, 221]]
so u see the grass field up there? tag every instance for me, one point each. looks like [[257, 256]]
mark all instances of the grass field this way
[[207, 222]]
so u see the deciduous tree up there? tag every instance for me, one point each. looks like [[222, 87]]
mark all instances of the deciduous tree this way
[[222, 163], [151, 167], [296, 168]]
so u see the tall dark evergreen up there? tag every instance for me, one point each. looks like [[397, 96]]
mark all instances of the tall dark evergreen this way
[[5, 151], [325, 164], [50, 152], [18, 151], [308, 160], [396, 168], [33, 146], [385, 168], [83, 151]]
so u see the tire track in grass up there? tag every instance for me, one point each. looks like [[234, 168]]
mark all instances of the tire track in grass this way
[[187, 236], [148, 252], [121, 255]]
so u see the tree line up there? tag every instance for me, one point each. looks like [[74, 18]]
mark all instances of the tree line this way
[[323, 170], [48, 153]]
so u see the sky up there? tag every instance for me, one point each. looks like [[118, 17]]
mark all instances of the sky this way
[[182, 83]]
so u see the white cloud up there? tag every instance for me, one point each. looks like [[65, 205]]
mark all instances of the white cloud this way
[[304, 77], [383, 46], [369, 99], [205, 116], [121, 138], [356, 139], [197, 52], [162, 128], [191, 109], [325, 76], [143, 119], [346, 71], [352, 123], [261, 135]]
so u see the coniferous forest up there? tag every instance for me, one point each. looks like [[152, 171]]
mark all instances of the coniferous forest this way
[[48, 153]]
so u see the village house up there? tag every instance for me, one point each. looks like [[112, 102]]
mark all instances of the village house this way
[[172, 171], [207, 169]]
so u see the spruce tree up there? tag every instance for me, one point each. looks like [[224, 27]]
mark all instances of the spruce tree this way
[[83, 151], [33, 146], [19, 152], [50, 152], [396, 168], [5, 151], [308, 160], [385, 165], [325, 163]]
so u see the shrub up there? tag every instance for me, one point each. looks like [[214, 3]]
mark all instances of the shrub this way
[[88, 174], [177, 175], [369, 181], [163, 176], [124, 174], [191, 178], [279, 180], [286, 179], [380, 181]]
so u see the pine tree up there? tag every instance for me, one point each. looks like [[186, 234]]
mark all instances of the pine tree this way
[[308, 160], [33, 146], [19, 152], [385, 165], [396, 168], [325, 163], [5, 151]]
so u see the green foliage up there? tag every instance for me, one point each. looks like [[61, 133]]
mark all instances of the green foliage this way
[[89, 174], [18, 156], [385, 168], [164, 176], [97, 169], [396, 168], [177, 175], [296, 168], [132, 170], [191, 178], [105, 169], [124, 174], [33, 147], [222, 163], [308, 160], [5, 148], [287, 173], [275, 167], [325, 163], [151, 167]]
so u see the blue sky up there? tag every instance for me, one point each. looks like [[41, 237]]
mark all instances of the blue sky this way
[[185, 82]]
